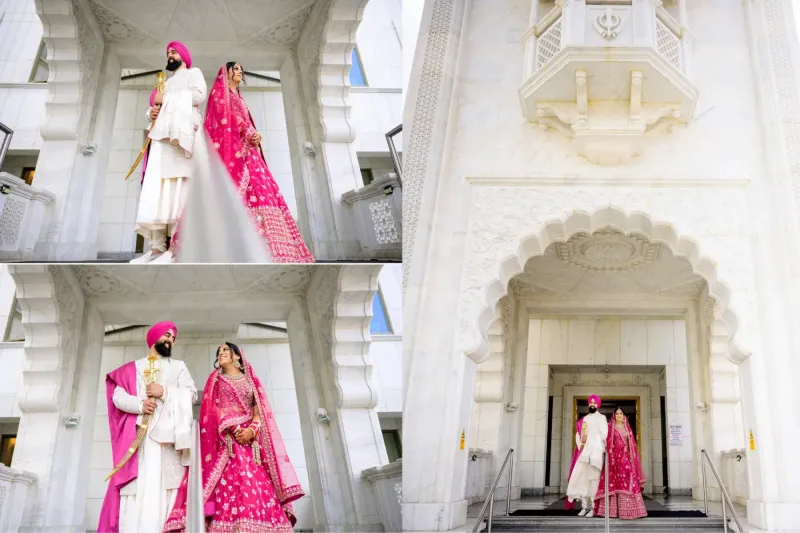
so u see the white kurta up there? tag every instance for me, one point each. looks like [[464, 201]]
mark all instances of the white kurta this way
[[169, 163], [585, 476], [145, 503]]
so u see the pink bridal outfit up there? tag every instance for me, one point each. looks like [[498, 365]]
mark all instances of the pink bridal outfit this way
[[247, 488], [625, 479]]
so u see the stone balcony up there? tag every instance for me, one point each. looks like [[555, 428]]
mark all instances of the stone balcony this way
[[607, 74]]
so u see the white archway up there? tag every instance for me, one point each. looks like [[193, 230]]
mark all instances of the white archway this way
[[561, 230]]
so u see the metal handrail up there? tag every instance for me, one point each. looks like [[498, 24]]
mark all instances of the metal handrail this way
[[726, 498], [489, 503], [393, 151], [6, 141]]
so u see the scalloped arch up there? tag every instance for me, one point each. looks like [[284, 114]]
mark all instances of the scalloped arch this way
[[608, 217]]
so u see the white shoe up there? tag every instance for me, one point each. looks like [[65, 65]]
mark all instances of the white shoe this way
[[590, 514], [166, 257], [583, 511], [146, 258]]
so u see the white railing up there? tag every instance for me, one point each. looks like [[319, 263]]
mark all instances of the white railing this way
[[727, 503], [23, 211], [387, 482], [378, 211], [16, 488], [608, 25]]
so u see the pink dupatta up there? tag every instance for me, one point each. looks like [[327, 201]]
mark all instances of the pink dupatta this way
[[122, 426], [214, 452]]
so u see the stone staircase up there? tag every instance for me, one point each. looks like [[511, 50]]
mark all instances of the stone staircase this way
[[570, 524]]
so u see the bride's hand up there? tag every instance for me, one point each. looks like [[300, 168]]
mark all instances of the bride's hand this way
[[255, 140], [244, 435]]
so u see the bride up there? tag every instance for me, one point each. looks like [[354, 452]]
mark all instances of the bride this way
[[248, 480]]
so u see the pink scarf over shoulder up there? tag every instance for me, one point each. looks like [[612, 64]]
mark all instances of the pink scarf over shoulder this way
[[568, 505], [123, 432]]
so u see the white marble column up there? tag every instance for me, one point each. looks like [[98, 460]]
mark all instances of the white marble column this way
[[438, 377], [769, 376], [323, 53], [56, 382], [74, 53], [329, 336]]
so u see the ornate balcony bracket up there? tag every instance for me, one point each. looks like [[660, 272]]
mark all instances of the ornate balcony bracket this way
[[608, 76]]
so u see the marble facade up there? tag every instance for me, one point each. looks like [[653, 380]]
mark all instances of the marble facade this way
[[495, 196]]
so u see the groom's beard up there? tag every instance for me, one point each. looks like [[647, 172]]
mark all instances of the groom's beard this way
[[163, 349], [593, 410], [174, 64]]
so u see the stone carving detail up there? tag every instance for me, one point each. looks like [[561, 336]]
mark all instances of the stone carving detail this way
[[383, 222], [96, 282], [501, 220], [293, 279], [577, 380], [607, 250], [286, 31], [425, 109], [691, 288], [116, 28], [607, 24], [91, 55], [785, 88], [11, 221]]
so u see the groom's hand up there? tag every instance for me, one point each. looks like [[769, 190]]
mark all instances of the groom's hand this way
[[148, 406], [154, 390]]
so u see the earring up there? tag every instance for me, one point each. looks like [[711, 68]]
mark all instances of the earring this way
[[239, 365]]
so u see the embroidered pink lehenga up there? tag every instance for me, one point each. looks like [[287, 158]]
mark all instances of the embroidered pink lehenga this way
[[247, 488], [625, 479]]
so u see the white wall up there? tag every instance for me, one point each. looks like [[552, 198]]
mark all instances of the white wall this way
[[11, 353], [386, 351], [589, 342]]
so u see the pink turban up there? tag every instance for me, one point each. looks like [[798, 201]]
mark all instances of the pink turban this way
[[158, 330], [596, 398], [183, 51]]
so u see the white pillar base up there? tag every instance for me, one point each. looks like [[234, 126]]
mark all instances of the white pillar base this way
[[434, 516], [774, 516]]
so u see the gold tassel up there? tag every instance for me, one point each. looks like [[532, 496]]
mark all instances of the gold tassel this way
[[256, 452], [229, 442]]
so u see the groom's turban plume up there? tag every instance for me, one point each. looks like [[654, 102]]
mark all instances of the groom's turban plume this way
[[596, 398], [158, 330], [179, 47]]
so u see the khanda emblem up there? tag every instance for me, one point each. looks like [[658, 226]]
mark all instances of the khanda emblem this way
[[607, 24]]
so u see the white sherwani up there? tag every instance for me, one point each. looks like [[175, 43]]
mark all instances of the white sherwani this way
[[145, 503], [586, 475], [169, 163]]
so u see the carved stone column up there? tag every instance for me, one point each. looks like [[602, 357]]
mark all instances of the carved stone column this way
[[52, 306], [330, 340], [74, 53], [324, 60]]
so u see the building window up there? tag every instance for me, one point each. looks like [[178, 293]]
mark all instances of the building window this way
[[7, 449], [394, 445], [366, 176], [357, 77], [380, 320], [41, 70], [27, 174], [14, 330]]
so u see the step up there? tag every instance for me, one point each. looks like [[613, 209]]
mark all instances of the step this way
[[579, 524]]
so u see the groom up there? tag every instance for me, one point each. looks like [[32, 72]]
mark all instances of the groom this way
[[587, 461], [157, 414], [176, 119]]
